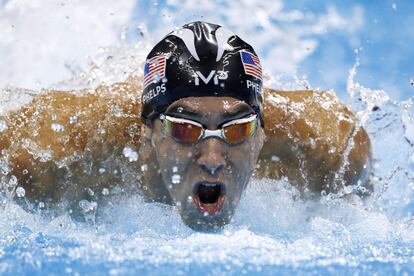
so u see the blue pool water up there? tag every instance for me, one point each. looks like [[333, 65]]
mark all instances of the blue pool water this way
[[274, 230]]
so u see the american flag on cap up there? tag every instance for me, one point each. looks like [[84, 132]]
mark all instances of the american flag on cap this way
[[251, 64], [154, 69]]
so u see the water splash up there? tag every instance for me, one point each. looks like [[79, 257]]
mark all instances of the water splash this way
[[274, 228], [387, 120]]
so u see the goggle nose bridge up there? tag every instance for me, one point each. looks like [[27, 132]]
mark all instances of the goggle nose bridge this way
[[211, 133]]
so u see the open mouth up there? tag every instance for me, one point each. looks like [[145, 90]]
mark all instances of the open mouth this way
[[209, 197]]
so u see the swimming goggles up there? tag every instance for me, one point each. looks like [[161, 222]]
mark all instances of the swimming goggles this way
[[190, 132]]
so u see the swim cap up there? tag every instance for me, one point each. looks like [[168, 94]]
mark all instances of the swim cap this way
[[200, 59]]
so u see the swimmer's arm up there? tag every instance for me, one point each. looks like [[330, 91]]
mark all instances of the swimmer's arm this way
[[308, 134], [58, 127]]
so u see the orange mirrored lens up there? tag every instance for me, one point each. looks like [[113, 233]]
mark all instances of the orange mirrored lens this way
[[238, 132], [184, 132]]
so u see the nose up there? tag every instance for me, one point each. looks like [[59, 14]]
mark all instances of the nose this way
[[211, 159]]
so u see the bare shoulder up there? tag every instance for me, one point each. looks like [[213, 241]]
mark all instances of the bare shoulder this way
[[58, 125], [313, 139], [64, 121]]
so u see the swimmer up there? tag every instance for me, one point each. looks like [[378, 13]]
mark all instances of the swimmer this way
[[201, 127]]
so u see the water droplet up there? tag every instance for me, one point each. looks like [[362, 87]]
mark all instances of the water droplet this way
[[20, 191], [157, 77], [73, 120], [3, 126], [144, 168], [312, 143], [12, 181], [57, 127], [90, 192], [88, 206], [102, 170], [141, 31], [176, 179], [275, 158], [348, 189], [130, 153], [105, 191]]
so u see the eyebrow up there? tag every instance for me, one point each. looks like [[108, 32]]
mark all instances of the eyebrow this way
[[188, 112], [183, 112]]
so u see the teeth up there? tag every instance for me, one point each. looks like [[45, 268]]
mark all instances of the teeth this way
[[209, 208]]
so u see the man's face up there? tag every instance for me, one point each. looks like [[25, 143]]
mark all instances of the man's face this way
[[206, 179]]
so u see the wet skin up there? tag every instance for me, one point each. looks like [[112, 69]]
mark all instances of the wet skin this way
[[309, 138], [209, 162]]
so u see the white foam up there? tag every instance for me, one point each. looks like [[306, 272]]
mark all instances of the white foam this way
[[273, 224]]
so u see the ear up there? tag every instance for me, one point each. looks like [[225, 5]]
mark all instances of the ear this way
[[145, 140], [154, 133], [146, 132], [154, 138]]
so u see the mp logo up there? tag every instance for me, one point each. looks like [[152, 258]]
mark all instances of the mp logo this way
[[215, 75]]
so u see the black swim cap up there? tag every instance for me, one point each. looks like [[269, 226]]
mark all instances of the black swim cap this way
[[200, 59]]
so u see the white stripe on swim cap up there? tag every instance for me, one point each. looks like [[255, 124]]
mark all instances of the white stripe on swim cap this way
[[223, 35], [187, 36]]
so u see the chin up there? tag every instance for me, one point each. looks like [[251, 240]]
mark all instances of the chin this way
[[206, 223], [202, 220], [207, 205]]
